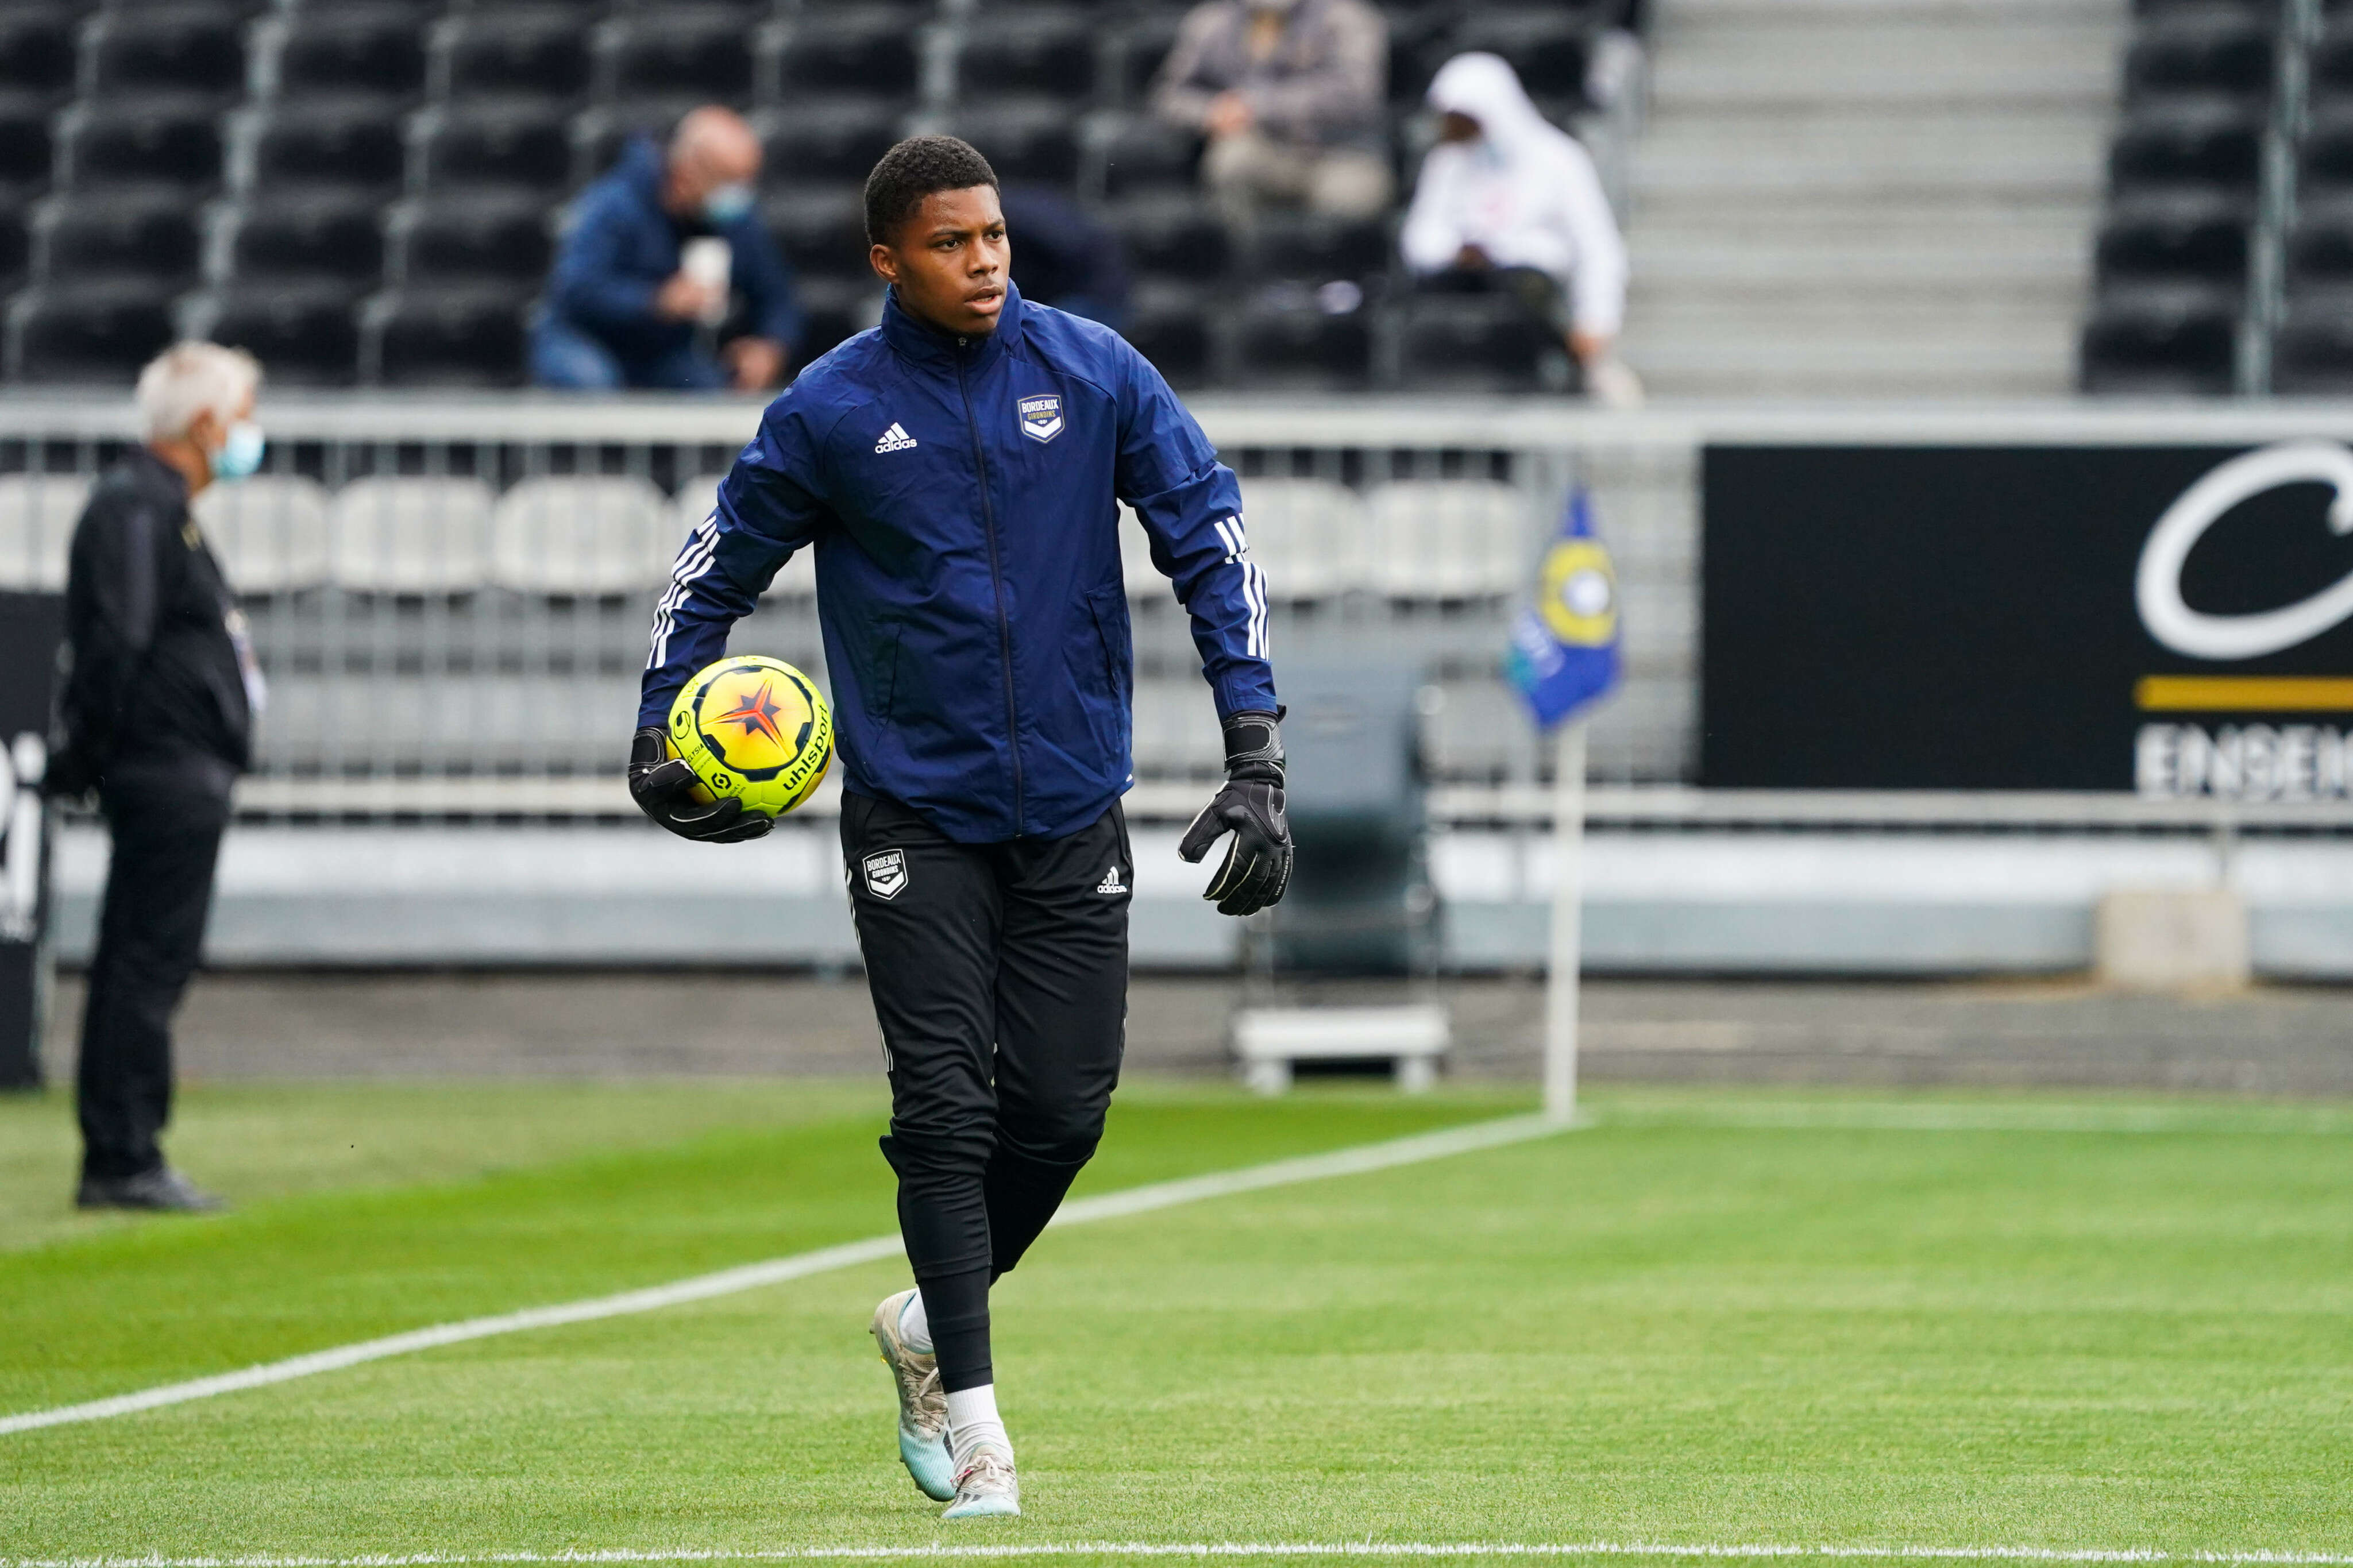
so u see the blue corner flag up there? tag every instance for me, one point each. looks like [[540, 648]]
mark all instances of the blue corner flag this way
[[1564, 652]]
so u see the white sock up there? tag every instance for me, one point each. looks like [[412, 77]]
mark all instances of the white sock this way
[[915, 1325], [972, 1420]]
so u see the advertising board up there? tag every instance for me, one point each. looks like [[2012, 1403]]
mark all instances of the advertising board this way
[[30, 627]]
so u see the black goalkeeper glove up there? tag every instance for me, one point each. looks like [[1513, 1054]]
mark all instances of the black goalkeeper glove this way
[[1258, 862], [663, 785]]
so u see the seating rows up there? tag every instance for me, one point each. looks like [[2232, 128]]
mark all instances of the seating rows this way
[[566, 535]]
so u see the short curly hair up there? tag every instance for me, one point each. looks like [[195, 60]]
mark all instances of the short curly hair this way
[[913, 169]]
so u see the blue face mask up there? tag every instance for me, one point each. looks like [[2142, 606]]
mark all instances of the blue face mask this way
[[240, 456], [728, 204]]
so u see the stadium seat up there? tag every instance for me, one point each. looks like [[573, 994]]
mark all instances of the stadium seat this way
[[1133, 54], [139, 142], [2312, 351], [1176, 732], [2175, 236], [37, 48], [833, 308], [849, 48], [91, 334], [1129, 153], [1026, 138], [796, 579], [1416, 47], [1309, 536], [195, 49], [357, 146], [1449, 539], [16, 248], [536, 51], [1475, 733], [471, 240], [2223, 49], [304, 237], [2202, 140], [687, 50], [141, 234], [821, 229], [404, 536], [2329, 64], [2320, 246], [1312, 249], [37, 513], [348, 50], [27, 151], [1169, 325], [271, 533], [304, 335], [833, 138], [599, 135], [2162, 341], [443, 337], [1286, 341], [1033, 50], [581, 535], [1482, 342], [1547, 46], [515, 146], [1170, 234], [2325, 158]]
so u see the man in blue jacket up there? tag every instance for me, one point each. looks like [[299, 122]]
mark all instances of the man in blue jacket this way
[[621, 311], [958, 470]]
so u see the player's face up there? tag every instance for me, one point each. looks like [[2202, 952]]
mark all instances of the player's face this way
[[950, 262]]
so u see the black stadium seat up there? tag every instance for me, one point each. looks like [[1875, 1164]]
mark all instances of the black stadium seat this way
[[26, 148], [353, 49], [1133, 54], [93, 333], [2320, 246], [472, 240], [192, 48], [1170, 234], [1030, 49], [357, 146], [128, 234], [303, 336], [542, 52], [443, 337], [2312, 351], [833, 308], [16, 248], [2329, 64], [1417, 46], [1475, 343], [514, 146], [1550, 47], [2175, 236], [36, 48], [835, 138], [2221, 49], [1029, 140], [1286, 341], [2325, 159], [1169, 325], [2162, 341], [2204, 141], [307, 236], [846, 49], [1129, 153], [1313, 249], [821, 229], [139, 142], [693, 50]]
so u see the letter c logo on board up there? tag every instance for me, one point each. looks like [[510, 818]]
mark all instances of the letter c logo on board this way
[[2157, 584]]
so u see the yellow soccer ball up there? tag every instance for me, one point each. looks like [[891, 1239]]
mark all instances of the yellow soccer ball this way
[[754, 730]]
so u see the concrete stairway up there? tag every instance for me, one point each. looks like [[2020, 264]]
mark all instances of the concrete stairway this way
[[1870, 198]]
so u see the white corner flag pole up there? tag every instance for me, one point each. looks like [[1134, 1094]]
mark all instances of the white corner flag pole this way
[[1568, 939]]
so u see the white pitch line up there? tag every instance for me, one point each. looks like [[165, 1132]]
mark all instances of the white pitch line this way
[[1235, 1548], [800, 1266]]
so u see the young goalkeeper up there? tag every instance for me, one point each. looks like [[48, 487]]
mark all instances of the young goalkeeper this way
[[958, 471]]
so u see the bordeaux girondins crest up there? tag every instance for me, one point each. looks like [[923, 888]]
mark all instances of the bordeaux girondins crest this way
[[1042, 417]]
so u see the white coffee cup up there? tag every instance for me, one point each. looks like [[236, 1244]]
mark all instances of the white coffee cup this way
[[710, 261]]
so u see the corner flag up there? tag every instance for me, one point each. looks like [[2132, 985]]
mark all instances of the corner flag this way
[[1564, 652]]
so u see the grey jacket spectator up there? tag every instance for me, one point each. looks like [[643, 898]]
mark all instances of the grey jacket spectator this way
[[1319, 84]]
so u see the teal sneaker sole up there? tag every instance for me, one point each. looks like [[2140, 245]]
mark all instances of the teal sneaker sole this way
[[929, 1463], [984, 1507]]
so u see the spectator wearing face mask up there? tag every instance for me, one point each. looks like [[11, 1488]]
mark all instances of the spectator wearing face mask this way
[[1289, 93], [1508, 202], [658, 254]]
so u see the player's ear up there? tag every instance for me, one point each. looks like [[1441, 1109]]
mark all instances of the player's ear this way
[[885, 264]]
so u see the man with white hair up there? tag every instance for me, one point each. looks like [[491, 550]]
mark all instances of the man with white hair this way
[[157, 717]]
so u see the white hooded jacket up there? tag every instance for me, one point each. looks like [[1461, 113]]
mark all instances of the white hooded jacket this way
[[1525, 192]]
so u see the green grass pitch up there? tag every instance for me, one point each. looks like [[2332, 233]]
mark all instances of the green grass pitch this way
[[1709, 1319]]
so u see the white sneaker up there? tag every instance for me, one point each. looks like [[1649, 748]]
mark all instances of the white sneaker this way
[[984, 1486], [923, 1408]]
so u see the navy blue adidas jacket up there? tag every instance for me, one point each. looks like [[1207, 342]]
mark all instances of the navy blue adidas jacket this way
[[960, 494]]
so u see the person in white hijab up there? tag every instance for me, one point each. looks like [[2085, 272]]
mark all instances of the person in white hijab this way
[[1507, 199]]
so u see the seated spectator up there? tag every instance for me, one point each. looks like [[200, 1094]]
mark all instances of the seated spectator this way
[[1506, 201], [1290, 94], [1064, 258], [642, 286]]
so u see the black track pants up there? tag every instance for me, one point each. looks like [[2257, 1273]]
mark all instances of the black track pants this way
[[166, 820], [999, 975]]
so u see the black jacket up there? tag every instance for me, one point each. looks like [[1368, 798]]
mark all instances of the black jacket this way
[[152, 633]]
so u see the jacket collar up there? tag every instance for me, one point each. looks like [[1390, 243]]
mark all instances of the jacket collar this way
[[923, 344]]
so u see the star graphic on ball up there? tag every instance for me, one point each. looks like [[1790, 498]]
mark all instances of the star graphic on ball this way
[[758, 714]]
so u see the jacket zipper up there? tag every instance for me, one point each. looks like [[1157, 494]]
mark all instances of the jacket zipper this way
[[996, 581]]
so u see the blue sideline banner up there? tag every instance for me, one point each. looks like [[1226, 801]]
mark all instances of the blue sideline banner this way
[[31, 626]]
